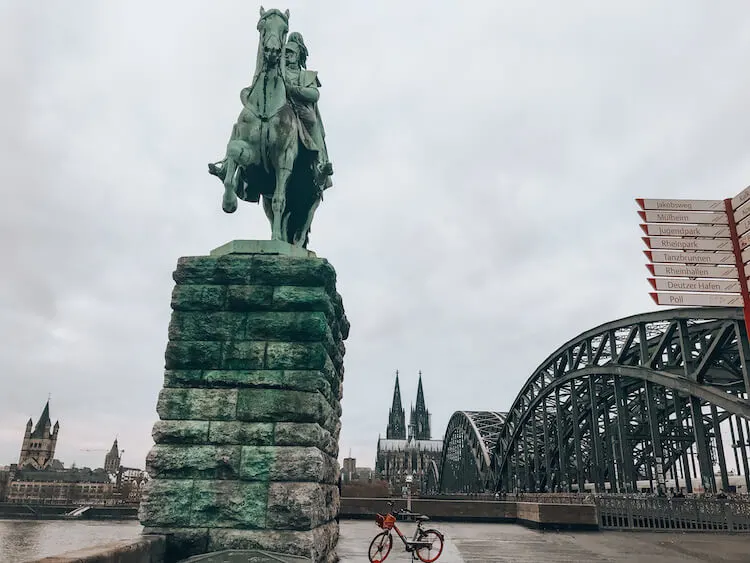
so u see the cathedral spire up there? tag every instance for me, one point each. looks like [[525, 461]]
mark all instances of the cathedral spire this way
[[419, 420], [396, 429], [396, 405], [420, 395]]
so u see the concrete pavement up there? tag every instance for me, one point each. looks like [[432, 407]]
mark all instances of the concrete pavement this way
[[490, 543]]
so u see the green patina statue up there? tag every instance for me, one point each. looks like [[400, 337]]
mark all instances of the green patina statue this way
[[277, 149]]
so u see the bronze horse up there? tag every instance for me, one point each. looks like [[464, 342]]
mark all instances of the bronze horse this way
[[265, 157]]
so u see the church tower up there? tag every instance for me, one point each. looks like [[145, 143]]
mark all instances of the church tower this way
[[419, 420], [396, 416], [38, 449], [112, 459]]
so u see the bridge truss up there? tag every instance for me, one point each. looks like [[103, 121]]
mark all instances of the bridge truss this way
[[466, 461], [650, 397]]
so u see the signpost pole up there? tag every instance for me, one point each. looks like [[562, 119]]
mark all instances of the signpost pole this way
[[740, 266]]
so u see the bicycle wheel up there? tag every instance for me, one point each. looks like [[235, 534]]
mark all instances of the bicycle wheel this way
[[430, 554], [380, 547]]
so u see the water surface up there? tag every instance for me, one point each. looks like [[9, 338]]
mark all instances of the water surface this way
[[26, 540]]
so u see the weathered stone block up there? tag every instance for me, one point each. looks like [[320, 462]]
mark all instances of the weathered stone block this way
[[192, 355], [291, 326], [249, 297], [297, 380], [325, 539], [184, 378], [303, 464], [197, 404], [236, 270], [181, 542], [229, 504], [229, 326], [199, 297], [167, 502], [294, 271], [194, 270], [278, 463], [295, 298], [243, 355], [254, 270], [336, 353], [270, 405], [301, 506], [180, 432], [242, 433], [291, 542], [171, 461], [296, 355], [241, 378], [257, 463], [207, 326], [319, 544], [333, 374], [304, 434]]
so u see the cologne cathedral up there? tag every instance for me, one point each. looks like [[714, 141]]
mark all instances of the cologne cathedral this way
[[407, 450]]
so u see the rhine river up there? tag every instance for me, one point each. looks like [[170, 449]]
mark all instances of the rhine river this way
[[26, 540]]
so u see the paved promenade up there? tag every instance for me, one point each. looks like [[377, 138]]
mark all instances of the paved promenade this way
[[480, 543]]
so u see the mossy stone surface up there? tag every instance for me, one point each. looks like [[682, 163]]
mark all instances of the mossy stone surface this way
[[180, 431], [229, 504], [197, 404], [167, 502], [180, 461]]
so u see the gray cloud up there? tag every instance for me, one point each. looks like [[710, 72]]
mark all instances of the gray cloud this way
[[487, 156]]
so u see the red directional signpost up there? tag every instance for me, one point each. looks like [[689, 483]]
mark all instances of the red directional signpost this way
[[699, 251]]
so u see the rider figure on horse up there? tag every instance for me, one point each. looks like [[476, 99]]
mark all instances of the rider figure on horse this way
[[277, 152], [302, 89]]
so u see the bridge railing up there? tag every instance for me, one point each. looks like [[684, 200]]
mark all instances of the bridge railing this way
[[550, 498], [655, 513]]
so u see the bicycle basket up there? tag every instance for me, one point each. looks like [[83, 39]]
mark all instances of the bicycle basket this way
[[386, 522]]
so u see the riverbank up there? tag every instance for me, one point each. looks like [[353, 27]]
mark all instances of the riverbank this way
[[13, 511]]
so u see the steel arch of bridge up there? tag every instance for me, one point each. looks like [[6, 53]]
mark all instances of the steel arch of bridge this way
[[431, 481], [465, 465], [619, 403]]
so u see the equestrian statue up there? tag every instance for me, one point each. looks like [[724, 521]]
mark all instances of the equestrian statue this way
[[277, 150]]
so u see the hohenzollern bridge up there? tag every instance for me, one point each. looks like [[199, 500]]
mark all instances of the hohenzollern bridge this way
[[650, 402]]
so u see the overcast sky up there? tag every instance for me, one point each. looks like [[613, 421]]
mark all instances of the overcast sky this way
[[487, 155]]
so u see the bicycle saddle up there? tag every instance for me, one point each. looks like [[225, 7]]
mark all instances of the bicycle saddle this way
[[422, 518]]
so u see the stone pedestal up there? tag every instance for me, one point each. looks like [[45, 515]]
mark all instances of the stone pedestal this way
[[246, 447]]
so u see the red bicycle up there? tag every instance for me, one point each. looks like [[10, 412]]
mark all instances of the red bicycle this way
[[427, 545]]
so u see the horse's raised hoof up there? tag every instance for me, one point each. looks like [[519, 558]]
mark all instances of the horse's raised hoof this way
[[229, 204]]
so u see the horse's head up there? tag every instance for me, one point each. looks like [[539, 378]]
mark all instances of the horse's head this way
[[273, 27]]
